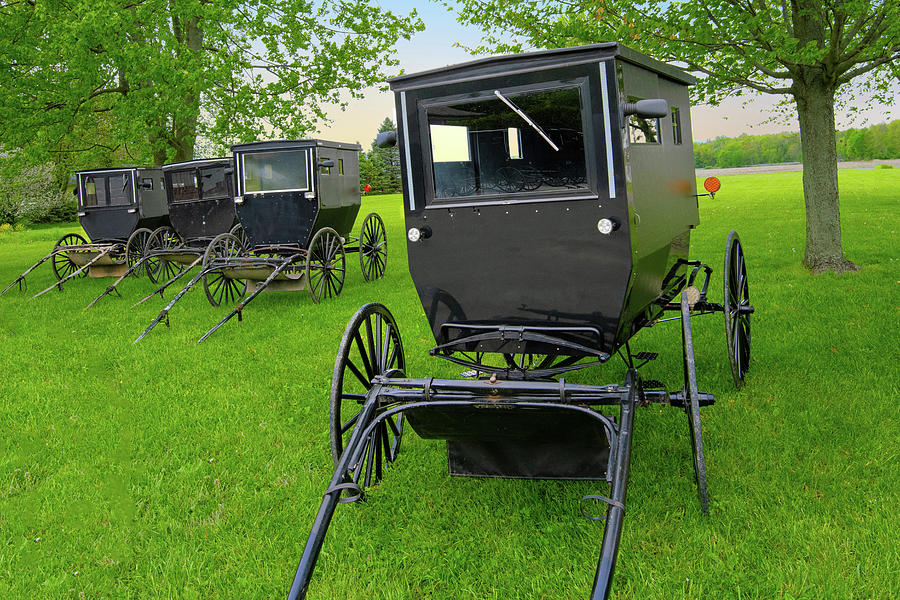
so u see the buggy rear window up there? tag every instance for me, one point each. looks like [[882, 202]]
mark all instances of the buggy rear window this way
[[275, 171], [508, 142], [184, 186]]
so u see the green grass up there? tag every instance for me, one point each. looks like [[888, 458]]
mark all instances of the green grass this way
[[168, 469]]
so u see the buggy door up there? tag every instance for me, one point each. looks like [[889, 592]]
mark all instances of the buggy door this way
[[108, 207], [277, 197]]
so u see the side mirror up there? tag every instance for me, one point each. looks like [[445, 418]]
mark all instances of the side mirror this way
[[328, 163], [386, 139], [655, 107]]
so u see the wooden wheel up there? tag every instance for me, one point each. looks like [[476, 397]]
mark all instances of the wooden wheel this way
[[325, 265], [737, 308], [63, 265], [371, 346], [373, 248], [218, 287], [135, 250], [162, 241], [692, 404], [239, 233]]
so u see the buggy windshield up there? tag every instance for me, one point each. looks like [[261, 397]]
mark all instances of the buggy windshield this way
[[508, 143], [275, 171]]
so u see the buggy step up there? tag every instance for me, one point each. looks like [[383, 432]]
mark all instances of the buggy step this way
[[647, 356], [652, 384]]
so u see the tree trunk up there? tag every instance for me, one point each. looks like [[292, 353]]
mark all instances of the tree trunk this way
[[815, 106], [189, 34]]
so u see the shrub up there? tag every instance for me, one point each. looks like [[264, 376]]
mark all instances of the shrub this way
[[33, 196], [884, 166]]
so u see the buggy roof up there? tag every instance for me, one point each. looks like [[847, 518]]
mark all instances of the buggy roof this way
[[536, 61], [115, 170], [224, 161], [284, 144]]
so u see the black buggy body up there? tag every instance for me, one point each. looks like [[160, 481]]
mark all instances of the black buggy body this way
[[115, 207], [296, 202], [515, 211], [549, 199], [288, 190], [200, 195]]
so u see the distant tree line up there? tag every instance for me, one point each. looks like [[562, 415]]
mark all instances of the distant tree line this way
[[878, 141], [379, 168]]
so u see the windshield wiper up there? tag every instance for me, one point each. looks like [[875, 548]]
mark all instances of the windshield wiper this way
[[519, 112]]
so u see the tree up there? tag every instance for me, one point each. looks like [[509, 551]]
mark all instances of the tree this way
[[380, 167], [814, 52], [139, 80]]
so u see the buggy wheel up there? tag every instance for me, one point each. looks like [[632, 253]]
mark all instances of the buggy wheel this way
[[737, 308], [238, 232], [373, 248], [217, 286], [63, 265], [692, 404], [325, 265], [510, 179], [161, 241], [135, 250], [371, 346]]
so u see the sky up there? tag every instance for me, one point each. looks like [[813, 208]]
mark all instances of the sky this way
[[434, 48]]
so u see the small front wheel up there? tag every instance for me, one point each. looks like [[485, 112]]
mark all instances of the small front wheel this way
[[62, 262], [217, 286], [136, 250], [371, 346], [326, 264]]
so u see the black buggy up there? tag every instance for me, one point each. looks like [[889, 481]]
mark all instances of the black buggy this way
[[296, 202], [117, 208], [200, 197], [549, 199]]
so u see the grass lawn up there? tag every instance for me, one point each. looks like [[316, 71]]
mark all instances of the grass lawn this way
[[168, 469]]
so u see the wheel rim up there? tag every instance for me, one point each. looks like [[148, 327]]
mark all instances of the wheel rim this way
[[373, 248], [161, 241], [135, 249], [63, 265], [736, 301], [217, 286], [371, 346], [325, 265]]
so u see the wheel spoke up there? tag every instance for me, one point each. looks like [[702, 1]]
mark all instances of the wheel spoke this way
[[355, 370], [362, 353], [346, 426]]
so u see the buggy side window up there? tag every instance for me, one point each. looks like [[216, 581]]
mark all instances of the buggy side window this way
[[340, 166], [508, 142], [184, 186], [213, 184], [676, 124], [94, 191], [275, 171], [120, 192], [642, 130]]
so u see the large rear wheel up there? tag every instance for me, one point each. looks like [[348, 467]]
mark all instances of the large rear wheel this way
[[373, 247], [371, 346], [62, 262], [737, 308], [217, 286]]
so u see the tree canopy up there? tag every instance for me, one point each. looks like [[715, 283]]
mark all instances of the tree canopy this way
[[379, 168], [140, 80], [815, 52]]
